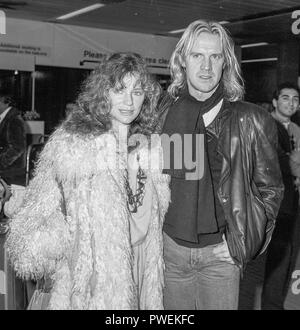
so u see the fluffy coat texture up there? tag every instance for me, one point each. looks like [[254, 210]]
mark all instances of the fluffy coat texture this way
[[86, 248]]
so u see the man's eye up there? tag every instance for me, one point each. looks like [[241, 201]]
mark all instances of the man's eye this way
[[216, 56]]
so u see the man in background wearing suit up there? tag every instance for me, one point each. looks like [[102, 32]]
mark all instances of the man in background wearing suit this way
[[12, 172], [12, 143]]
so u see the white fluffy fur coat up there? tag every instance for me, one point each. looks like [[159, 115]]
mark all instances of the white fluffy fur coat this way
[[88, 252]]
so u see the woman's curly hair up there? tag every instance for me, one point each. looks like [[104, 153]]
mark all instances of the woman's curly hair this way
[[91, 116]]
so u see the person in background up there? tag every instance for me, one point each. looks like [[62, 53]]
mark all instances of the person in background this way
[[295, 118], [280, 257], [218, 222], [5, 194], [12, 172], [12, 143], [92, 215], [69, 107]]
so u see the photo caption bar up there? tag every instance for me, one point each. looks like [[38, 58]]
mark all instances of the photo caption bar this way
[[145, 319]]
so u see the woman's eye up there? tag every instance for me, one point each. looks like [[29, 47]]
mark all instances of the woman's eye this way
[[138, 93], [196, 56]]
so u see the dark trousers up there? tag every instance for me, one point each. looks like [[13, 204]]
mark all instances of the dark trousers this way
[[279, 264]]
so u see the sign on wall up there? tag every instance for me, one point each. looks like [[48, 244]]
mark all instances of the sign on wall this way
[[85, 47], [25, 42], [29, 43]]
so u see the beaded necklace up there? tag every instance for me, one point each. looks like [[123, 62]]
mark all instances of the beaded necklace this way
[[136, 200]]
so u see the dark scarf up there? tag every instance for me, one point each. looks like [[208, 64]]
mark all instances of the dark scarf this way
[[192, 209]]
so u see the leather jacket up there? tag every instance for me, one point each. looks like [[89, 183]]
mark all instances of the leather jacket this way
[[250, 188]]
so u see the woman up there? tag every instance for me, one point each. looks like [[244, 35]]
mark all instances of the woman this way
[[78, 222]]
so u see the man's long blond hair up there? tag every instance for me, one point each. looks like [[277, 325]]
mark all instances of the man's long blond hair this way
[[232, 79]]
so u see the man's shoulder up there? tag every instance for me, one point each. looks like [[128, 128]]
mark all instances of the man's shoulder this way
[[243, 109], [13, 119], [14, 114]]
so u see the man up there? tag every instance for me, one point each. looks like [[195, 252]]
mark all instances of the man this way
[[217, 223], [12, 143], [279, 261]]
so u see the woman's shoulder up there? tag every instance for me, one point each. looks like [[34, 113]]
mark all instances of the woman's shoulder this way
[[74, 154], [64, 142]]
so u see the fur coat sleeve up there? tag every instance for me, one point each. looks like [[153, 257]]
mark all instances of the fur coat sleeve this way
[[38, 231]]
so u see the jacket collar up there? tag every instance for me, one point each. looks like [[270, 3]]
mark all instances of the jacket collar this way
[[4, 113], [216, 125], [223, 133], [11, 113]]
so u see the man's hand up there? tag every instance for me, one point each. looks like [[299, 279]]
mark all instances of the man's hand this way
[[222, 252]]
